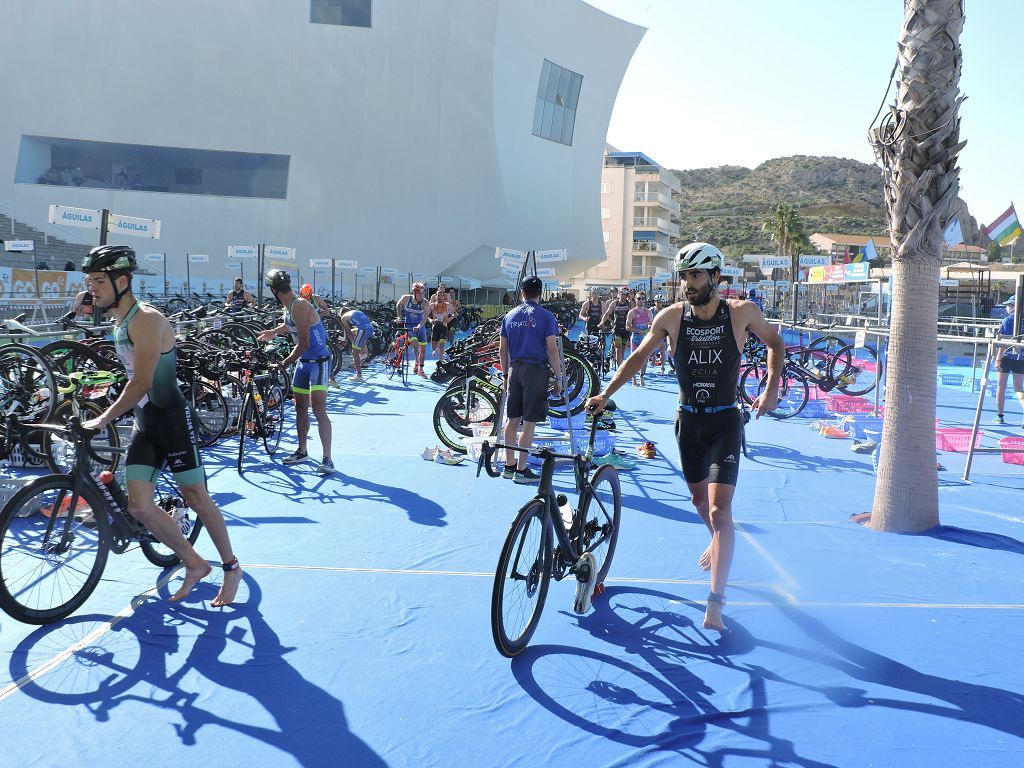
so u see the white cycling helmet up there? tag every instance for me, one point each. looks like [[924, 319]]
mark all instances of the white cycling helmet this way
[[698, 256]]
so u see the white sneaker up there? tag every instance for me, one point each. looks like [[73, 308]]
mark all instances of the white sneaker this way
[[586, 567], [429, 454]]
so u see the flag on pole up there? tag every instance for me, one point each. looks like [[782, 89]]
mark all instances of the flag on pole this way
[[1005, 228], [953, 234], [869, 253]]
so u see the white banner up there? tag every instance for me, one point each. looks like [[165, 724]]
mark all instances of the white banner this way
[[320, 263], [511, 271], [75, 217], [507, 263], [949, 283], [242, 251], [662, 277], [510, 254], [815, 260], [558, 254], [732, 271], [551, 285], [367, 271], [154, 257], [448, 279], [129, 225], [197, 258], [768, 263], [388, 270], [401, 277], [419, 275], [346, 263], [546, 272], [279, 252], [19, 245]]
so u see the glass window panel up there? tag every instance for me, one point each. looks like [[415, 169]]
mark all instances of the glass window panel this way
[[175, 170], [347, 13], [557, 97]]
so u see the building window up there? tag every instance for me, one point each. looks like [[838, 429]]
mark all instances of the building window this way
[[106, 165], [638, 265], [606, 187], [606, 213], [345, 13], [558, 93], [607, 237]]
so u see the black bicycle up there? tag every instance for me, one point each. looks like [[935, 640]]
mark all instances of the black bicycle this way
[[549, 540], [57, 532], [262, 413]]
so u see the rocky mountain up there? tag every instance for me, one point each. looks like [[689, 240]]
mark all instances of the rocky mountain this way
[[726, 205]]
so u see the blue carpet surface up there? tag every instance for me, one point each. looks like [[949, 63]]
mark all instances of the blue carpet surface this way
[[361, 635]]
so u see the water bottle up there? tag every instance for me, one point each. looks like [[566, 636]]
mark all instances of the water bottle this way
[[564, 510]]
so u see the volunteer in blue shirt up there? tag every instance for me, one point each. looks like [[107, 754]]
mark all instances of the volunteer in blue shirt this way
[[1010, 361], [528, 355]]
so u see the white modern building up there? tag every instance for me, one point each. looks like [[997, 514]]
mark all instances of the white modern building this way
[[411, 134], [639, 217]]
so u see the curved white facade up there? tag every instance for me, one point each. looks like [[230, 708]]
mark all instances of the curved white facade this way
[[409, 143]]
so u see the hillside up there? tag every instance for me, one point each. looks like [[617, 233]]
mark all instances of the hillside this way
[[833, 195]]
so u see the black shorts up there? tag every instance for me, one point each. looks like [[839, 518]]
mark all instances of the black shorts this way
[[528, 392], [438, 332], [164, 435], [1006, 364], [620, 338], [709, 445], [593, 328]]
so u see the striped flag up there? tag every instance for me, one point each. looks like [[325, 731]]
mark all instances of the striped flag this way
[[1005, 228]]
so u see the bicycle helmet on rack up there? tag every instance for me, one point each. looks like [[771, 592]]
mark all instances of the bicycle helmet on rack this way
[[278, 280], [698, 256], [115, 260]]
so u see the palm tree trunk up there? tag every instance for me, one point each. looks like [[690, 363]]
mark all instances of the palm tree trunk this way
[[918, 147]]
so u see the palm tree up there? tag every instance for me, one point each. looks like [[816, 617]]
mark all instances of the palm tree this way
[[917, 145], [784, 226]]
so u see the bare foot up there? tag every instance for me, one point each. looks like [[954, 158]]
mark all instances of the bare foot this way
[[713, 617], [705, 559], [193, 575], [228, 588]]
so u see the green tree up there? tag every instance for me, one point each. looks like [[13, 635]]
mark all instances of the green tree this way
[[917, 145], [994, 252], [784, 226]]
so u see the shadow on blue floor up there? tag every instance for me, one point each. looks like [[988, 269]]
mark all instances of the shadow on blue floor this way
[[982, 539], [308, 722]]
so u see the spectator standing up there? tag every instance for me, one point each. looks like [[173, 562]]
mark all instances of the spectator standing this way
[[528, 353], [1010, 361]]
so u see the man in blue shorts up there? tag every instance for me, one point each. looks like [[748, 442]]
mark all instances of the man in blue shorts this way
[[359, 329], [1010, 361], [312, 358], [412, 312], [145, 342]]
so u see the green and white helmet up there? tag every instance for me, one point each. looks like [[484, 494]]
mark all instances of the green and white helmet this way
[[698, 256], [110, 258]]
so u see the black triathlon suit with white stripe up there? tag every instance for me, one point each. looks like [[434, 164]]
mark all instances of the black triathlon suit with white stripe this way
[[708, 423]]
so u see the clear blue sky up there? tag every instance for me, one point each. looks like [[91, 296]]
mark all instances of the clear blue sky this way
[[737, 82]]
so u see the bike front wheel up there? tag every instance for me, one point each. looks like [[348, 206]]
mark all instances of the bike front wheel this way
[[273, 418], [521, 580], [52, 550], [793, 395], [854, 370]]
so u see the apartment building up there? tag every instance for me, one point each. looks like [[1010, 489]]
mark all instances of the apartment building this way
[[639, 218]]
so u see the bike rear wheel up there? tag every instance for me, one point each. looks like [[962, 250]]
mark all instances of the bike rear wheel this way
[[59, 454], [793, 395], [455, 414], [209, 409], [521, 580], [601, 511], [854, 370], [169, 498], [273, 418], [52, 550]]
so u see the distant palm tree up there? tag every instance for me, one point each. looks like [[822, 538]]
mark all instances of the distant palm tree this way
[[785, 227], [918, 146]]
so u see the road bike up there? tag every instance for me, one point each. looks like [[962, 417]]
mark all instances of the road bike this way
[[57, 532], [548, 540], [261, 416], [396, 361]]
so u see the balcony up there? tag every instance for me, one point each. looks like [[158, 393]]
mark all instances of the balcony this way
[[655, 173], [665, 201], [662, 225], [650, 247]]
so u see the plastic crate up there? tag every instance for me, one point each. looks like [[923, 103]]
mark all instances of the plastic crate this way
[[959, 360], [956, 439], [604, 441], [557, 444], [473, 446], [814, 409], [1012, 442], [578, 422], [952, 379], [849, 404], [859, 422]]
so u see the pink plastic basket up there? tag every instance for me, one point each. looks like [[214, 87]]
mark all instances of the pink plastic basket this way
[[956, 439], [849, 404], [1012, 442]]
